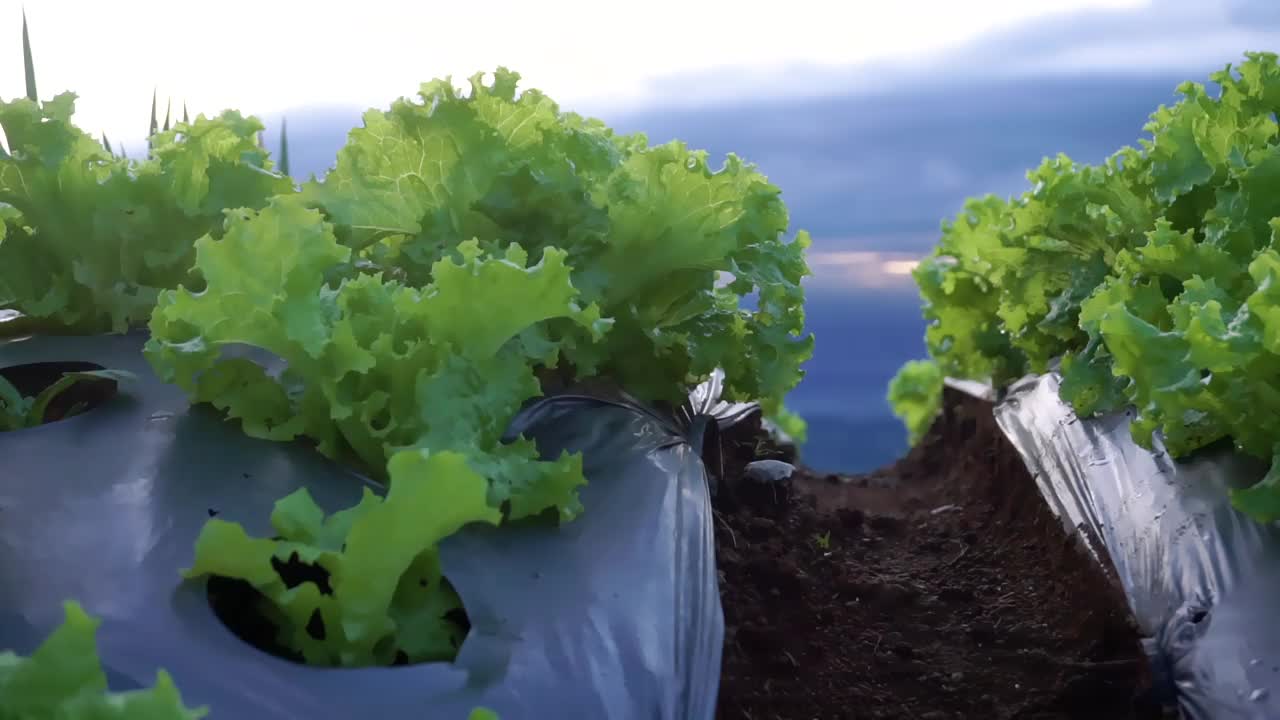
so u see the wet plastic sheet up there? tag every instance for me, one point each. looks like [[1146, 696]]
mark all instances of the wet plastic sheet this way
[[615, 615], [1203, 580]]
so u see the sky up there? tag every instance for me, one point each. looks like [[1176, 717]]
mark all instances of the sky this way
[[264, 58], [273, 58]]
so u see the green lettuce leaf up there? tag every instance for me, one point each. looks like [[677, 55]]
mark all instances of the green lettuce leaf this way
[[63, 680], [1153, 278], [373, 366], [647, 231], [384, 597], [87, 240], [915, 394]]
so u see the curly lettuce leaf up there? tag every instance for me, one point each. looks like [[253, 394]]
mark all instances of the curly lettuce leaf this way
[[374, 366], [915, 394], [63, 680], [647, 231], [89, 239], [787, 424], [385, 596], [1153, 277]]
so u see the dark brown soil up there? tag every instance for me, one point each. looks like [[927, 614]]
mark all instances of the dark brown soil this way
[[940, 587]]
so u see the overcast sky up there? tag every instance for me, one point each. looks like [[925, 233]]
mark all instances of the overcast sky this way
[[264, 58]]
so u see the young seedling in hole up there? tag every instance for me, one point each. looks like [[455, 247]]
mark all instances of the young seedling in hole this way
[[823, 540], [18, 412]]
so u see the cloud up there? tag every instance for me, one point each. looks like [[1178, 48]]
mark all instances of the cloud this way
[[1254, 13], [852, 271], [1187, 36], [1184, 37]]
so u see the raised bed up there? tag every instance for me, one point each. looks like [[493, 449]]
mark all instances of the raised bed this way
[[105, 508], [939, 587]]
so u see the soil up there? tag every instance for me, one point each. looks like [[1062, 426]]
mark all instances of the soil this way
[[940, 587]]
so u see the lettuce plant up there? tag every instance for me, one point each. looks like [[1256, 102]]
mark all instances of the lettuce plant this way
[[1152, 278]]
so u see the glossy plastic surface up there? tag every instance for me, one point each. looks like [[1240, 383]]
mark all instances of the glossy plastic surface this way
[[1203, 579]]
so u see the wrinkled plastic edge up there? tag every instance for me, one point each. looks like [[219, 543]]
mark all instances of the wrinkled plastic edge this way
[[696, 424], [706, 400], [698, 657], [972, 388], [1199, 576]]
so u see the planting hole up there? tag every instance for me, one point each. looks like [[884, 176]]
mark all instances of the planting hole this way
[[38, 400], [251, 616]]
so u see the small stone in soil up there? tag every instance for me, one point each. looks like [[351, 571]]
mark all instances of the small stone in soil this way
[[768, 472]]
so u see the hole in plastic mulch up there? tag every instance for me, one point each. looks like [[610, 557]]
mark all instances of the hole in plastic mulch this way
[[251, 616], [31, 379]]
